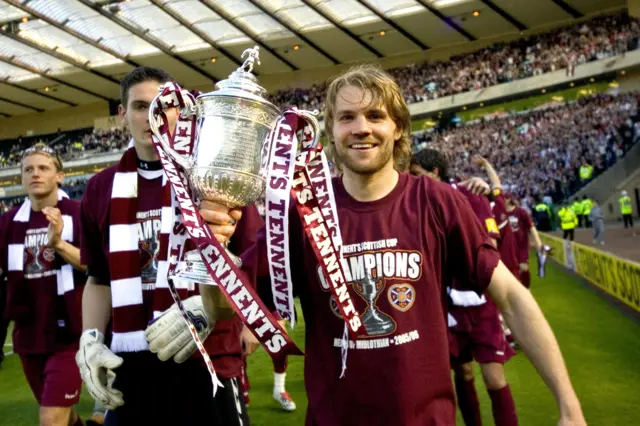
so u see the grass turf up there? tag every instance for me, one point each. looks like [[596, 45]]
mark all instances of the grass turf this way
[[600, 344]]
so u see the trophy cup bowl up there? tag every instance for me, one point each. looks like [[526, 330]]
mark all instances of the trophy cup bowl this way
[[226, 167]]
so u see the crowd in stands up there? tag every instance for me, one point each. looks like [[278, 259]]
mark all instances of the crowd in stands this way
[[73, 187], [8, 204], [539, 152], [563, 48], [71, 145]]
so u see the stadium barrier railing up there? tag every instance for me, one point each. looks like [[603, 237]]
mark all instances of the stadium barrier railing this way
[[617, 276]]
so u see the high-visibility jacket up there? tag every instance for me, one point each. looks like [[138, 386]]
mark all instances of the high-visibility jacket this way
[[540, 208], [577, 207], [625, 205], [568, 219], [587, 205], [586, 171]]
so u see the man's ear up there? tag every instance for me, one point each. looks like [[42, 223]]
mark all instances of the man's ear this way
[[122, 112]]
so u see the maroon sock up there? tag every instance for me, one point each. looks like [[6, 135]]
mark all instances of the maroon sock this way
[[525, 278], [504, 409], [468, 402], [280, 364]]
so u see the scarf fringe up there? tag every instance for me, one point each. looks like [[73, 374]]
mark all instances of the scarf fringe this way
[[133, 341]]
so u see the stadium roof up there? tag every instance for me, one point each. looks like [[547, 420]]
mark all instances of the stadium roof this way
[[57, 53]]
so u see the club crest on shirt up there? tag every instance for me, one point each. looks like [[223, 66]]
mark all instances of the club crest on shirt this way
[[49, 254], [513, 221], [401, 296]]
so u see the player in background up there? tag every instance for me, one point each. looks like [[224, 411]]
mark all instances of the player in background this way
[[280, 364], [475, 330], [39, 255], [147, 376], [507, 244], [249, 345], [526, 236]]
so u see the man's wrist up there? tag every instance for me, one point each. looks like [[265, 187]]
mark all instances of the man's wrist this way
[[570, 407], [59, 244]]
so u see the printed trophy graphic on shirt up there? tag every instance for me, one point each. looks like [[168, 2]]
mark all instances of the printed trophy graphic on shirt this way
[[149, 260], [34, 265], [375, 322]]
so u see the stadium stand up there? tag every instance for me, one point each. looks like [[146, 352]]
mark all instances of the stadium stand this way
[[597, 124], [71, 145], [539, 152], [563, 48]]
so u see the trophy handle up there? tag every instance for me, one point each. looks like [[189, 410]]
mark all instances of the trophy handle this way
[[310, 117], [155, 121]]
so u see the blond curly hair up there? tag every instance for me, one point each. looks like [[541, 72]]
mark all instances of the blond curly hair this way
[[384, 91]]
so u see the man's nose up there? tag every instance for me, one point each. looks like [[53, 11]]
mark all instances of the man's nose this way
[[360, 126]]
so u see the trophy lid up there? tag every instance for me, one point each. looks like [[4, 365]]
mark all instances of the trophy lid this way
[[242, 83]]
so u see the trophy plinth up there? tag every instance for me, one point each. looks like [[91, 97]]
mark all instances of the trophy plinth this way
[[192, 269], [375, 322]]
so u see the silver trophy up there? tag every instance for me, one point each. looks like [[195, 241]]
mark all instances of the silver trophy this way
[[375, 322], [227, 166]]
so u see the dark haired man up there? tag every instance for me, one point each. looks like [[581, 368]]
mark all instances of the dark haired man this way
[[127, 290]]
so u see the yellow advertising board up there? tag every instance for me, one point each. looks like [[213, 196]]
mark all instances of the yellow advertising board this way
[[618, 277]]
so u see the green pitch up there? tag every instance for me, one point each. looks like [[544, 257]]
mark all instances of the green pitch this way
[[600, 344]]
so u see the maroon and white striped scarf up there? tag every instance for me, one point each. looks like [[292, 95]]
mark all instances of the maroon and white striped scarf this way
[[18, 306], [130, 315]]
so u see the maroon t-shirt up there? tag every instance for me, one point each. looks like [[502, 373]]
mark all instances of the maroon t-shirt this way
[[223, 344], [49, 329], [521, 224], [413, 242], [507, 244], [474, 307]]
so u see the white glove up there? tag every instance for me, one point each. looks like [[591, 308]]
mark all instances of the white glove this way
[[96, 363], [169, 336]]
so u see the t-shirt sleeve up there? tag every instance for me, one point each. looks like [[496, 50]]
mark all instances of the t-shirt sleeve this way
[[470, 256], [482, 209], [91, 251]]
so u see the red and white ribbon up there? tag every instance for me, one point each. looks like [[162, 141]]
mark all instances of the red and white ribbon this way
[[305, 176], [233, 283]]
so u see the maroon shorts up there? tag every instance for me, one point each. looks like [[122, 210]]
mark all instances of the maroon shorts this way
[[54, 378], [483, 340]]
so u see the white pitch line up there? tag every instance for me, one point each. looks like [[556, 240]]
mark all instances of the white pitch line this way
[[8, 353]]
